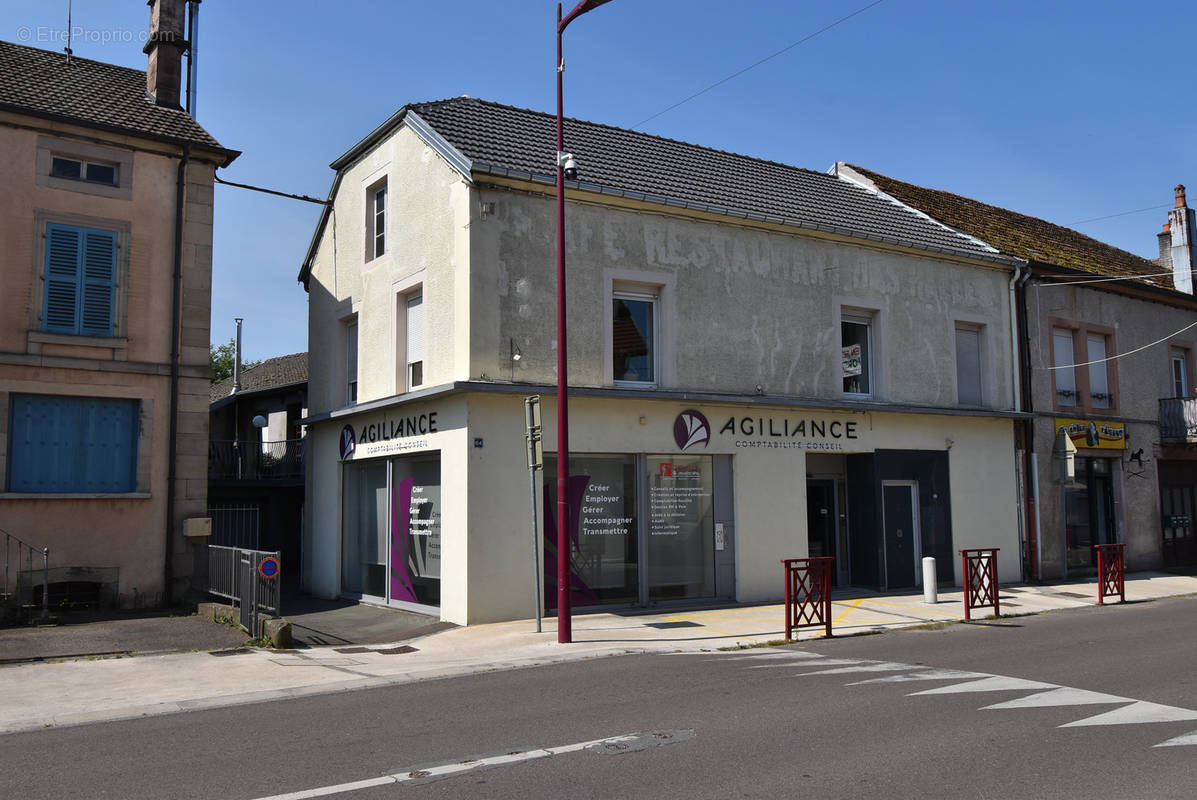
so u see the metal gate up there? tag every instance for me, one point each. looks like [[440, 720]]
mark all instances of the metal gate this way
[[234, 573], [235, 526]]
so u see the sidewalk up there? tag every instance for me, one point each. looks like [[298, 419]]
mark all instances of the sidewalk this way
[[82, 691]]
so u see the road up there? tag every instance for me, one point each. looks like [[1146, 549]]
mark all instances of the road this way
[[841, 718]]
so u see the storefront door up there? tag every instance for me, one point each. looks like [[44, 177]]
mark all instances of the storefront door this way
[[1088, 512], [901, 531]]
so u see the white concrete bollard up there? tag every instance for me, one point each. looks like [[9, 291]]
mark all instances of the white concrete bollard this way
[[929, 580]]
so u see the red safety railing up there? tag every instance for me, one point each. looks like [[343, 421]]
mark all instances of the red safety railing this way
[[980, 580], [1110, 572], [808, 593]]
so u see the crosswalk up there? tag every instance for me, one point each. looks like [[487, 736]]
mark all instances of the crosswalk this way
[[1036, 694]]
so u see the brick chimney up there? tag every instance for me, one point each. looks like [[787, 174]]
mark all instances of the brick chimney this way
[[165, 46], [1180, 227]]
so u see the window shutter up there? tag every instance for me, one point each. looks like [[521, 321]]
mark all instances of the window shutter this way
[[62, 278], [415, 328], [968, 366], [99, 279], [73, 444]]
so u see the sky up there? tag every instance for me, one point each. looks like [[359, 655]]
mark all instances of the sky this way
[[1075, 112]]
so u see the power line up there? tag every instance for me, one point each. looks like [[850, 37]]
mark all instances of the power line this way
[[1119, 214], [1055, 284], [1120, 355], [785, 49]]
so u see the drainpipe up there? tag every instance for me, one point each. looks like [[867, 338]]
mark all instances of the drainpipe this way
[[1015, 341], [1035, 548], [175, 338]]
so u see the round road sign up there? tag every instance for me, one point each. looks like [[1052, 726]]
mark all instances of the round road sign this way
[[268, 567]]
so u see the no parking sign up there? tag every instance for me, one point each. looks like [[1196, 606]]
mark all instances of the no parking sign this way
[[268, 567]]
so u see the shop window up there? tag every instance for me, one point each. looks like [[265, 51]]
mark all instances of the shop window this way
[[634, 337], [1089, 515], [72, 444], [856, 349], [968, 365]]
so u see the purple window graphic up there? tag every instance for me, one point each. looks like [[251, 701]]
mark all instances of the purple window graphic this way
[[348, 442], [415, 542], [691, 428], [580, 593]]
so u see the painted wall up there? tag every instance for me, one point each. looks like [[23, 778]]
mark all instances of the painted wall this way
[[127, 531]]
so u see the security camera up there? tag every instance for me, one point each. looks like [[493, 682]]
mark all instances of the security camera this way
[[569, 164]]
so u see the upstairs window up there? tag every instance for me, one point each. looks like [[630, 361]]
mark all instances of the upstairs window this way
[[376, 220], [351, 362], [634, 337], [1100, 395], [1065, 372], [968, 365], [415, 340], [856, 352], [1085, 374], [80, 280], [1179, 357], [83, 170]]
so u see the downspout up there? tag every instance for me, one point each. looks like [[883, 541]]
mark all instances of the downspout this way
[[1035, 549], [175, 338]]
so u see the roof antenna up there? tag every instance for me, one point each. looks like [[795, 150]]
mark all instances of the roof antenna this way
[[68, 46]]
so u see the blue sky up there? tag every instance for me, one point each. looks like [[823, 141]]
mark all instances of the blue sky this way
[[1065, 110]]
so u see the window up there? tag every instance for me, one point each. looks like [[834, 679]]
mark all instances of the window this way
[[81, 170], [1062, 349], [80, 280], [1085, 376], [856, 348], [376, 220], [72, 444], [415, 340], [1099, 382], [634, 337], [1180, 371], [351, 361], [968, 365]]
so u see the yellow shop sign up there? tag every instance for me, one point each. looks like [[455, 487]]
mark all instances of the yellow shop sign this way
[[1094, 434]]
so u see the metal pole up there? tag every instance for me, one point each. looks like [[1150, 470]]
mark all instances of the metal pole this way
[[537, 564], [45, 582], [564, 619]]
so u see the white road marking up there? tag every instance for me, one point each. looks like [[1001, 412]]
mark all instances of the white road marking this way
[[1064, 696], [1188, 738], [826, 662], [926, 675], [627, 742], [882, 666], [787, 655], [1135, 714], [998, 683]]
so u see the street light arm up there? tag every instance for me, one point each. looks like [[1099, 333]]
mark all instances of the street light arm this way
[[580, 9]]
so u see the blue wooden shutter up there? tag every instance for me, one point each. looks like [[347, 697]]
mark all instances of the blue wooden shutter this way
[[62, 278], [72, 444], [99, 278], [80, 280]]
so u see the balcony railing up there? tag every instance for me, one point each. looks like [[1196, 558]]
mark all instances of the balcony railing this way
[[252, 461], [1178, 419]]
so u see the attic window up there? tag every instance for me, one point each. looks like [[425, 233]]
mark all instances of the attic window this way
[[81, 170]]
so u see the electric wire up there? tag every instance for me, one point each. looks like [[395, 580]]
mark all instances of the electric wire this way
[[752, 66], [1113, 279], [1119, 214], [1121, 355]]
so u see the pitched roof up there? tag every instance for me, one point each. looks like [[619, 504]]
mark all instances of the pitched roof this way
[[1020, 235], [273, 373], [483, 137], [42, 83]]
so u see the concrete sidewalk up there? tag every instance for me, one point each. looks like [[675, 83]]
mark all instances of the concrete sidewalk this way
[[75, 692]]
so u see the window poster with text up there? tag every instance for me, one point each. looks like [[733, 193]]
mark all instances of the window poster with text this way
[[681, 537], [416, 531]]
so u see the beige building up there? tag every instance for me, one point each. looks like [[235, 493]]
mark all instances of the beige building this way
[[105, 285], [765, 362], [1109, 359]]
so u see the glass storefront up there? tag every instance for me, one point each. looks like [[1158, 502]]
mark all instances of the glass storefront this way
[[641, 529], [1088, 511], [391, 530]]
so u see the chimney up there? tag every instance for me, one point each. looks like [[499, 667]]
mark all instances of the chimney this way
[[165, 46], [1165, 238], [1180, 227]]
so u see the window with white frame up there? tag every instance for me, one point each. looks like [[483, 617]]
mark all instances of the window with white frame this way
[[81, 169], [1064, 357], [1097, 354], [856, 353], [414, 303], [351, 361], [376, 220], [1179, 357], [968, 365], [634, 337]]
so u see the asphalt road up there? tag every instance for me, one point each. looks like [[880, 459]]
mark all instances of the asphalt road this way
[[768, 722]]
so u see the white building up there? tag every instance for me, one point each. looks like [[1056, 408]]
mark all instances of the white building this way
[[765, 362]]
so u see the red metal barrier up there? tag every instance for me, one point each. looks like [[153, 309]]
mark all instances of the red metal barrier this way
[[980, 580], [1110, 572], [808, 593]]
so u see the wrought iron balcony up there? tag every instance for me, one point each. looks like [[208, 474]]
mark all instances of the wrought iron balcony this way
[[1178, 419], [254, 461]]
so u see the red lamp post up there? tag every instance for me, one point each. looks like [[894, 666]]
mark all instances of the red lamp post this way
[[564, 160]]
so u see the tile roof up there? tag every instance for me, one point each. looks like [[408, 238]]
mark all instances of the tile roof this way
[[499, 138], [1020, 235], [272, 373], [42, 83]]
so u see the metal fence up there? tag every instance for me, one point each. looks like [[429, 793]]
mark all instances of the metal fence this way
[[235, 574], [14, 579], [229, 460], [235, 526], [1178, 419]]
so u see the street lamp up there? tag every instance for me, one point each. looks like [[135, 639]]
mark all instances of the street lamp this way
[[565, 161]]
